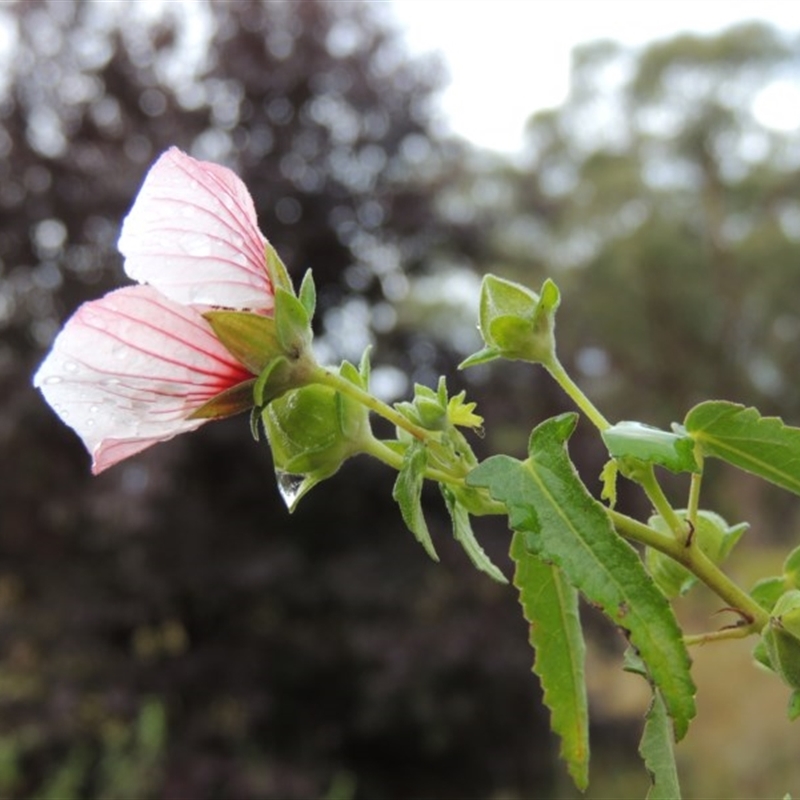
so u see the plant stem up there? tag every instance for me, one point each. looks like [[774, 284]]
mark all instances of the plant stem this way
[[697, 562], [646, 477], [381, 451], [335, 381], [733, 632], [555, 368]]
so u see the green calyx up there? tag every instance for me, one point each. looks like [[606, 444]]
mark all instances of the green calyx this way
[[515, 322], [781, 639], [312, 430]]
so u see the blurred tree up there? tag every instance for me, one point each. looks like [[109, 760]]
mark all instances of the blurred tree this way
[[663, 198]]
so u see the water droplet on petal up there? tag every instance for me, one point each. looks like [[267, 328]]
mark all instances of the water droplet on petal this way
[[70, 366], [290, 487], [51, 379], [93, 409]]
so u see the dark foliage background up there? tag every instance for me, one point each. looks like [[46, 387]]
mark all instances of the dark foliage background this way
[[166, 630]]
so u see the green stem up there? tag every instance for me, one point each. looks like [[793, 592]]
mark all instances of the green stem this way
[[381, 451], [734, 632], [336, 381], [697, 562], [694, 489], [555, 368], [646, 477]]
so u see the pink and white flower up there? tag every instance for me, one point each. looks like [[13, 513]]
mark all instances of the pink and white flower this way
[[131, 369]]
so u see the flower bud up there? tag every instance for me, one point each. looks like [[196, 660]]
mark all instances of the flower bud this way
[[312, 431], [515, 322], [712, 535], [781, 637]]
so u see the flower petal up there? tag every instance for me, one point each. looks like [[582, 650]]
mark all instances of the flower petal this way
[[129, 369], [193, 234]]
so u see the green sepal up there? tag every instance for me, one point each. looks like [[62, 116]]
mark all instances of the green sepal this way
[[407, 493], [634, 440], [232, 401], [515, 322], [311, 432], [308, 294], [793, 707], [274, 380], [292, 323], [255, 423], [279, 275], [250, 338], [463, 534], [781, 638], [767, 591], [791, 569]]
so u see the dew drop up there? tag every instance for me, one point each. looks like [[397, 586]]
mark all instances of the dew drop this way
[[290, 487], [93, 409], [70, 366], [50, 380]]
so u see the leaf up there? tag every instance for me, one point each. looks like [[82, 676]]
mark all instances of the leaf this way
[[658, 754], [462, 531], [651, 445], [763, 446], [407, 491], [550, 605], [565, 525]]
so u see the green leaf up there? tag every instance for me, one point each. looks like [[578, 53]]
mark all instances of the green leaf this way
[[658, 753], [565, 525], [651, 445], [763, 446], [407, 492], [550, 606], [462, 531]]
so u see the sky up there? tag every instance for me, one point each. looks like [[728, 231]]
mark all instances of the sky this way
[[483, 41]]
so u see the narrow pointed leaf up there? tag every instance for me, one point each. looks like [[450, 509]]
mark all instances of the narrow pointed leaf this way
[[407, 491], [658, 753], [763, 446], [563, 524], [550, 606], [462, 531]]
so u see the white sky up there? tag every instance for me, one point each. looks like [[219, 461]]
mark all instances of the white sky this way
[[485, 41]]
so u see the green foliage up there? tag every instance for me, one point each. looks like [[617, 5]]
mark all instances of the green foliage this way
[[763, 446], [550, 606], [633, 440], [658, 754], [407, 493], [564, 525]]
